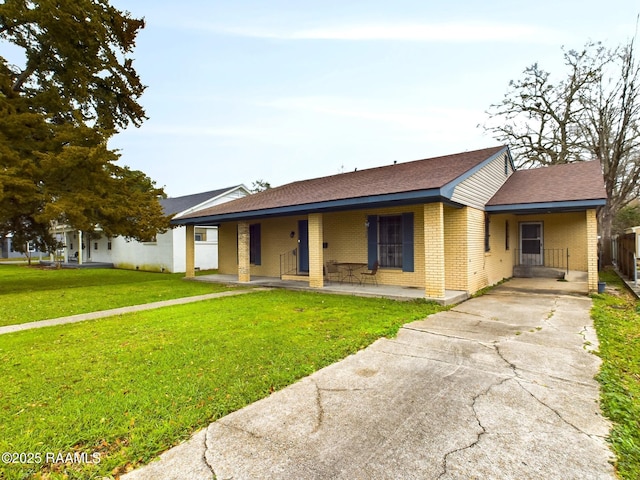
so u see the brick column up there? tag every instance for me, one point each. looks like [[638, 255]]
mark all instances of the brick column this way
[[244, 263], [191, 251], [316, 277], [434, 250], [592, 250]]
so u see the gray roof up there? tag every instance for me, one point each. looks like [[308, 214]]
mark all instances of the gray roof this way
[[175, 205]]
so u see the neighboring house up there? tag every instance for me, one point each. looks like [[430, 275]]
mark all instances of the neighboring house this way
[[458, 222], [7, 249], [167, 252]]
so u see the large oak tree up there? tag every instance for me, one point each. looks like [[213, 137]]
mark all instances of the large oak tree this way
[[592, 112], [73, 87]]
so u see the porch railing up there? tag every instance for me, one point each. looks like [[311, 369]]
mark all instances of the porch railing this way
[[289, 263], [548, 257]]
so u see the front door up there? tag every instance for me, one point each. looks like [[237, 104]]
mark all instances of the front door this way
[[303, 246], [531, 247]]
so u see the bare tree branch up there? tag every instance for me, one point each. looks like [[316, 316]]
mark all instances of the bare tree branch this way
[[593, 113]]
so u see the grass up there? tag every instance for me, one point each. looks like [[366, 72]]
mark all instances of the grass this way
[[127, 388], [29, 294], [617, 321]]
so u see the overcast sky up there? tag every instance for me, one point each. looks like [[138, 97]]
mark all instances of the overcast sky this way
[[285, 90]]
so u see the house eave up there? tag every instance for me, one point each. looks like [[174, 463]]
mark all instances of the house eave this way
[[375, 201], [547, 207]]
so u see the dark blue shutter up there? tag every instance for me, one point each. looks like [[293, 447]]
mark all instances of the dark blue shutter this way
[[407, 242], [372, 240], [255, 243], [258, 245]]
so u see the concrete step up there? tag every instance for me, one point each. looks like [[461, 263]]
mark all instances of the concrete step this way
[[535, 271]]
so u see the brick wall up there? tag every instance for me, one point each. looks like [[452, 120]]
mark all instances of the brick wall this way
[[434, 248], [227, 251], [462, 263], [456, 245], [316, 261], [498, 261], [244, 267], [563, 230], [592, 249], [346, 236]]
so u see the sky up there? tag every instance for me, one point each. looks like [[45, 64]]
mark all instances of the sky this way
[[286, 90]]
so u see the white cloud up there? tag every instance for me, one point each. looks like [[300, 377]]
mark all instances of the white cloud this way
[[431, 118], [454, 32], [198, 131]]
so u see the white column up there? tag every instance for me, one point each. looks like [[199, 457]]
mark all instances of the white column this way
[[79, 247]]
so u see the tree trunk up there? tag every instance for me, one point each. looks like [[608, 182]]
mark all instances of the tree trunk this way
[[605, 222]]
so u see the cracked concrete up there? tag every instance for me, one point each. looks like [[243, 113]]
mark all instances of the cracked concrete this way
[[501, 386]]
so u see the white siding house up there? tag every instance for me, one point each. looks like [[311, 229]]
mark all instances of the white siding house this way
[[167, 253]]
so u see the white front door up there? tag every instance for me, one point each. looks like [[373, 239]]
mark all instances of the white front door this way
[[531, 247]]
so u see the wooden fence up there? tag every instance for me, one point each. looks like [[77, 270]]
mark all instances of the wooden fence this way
[[626, 255]]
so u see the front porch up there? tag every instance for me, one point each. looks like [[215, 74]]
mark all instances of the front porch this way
[[394, 292]]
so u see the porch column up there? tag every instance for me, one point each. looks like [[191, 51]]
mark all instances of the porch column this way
[[592, 250], [434, 250], [244, 254], [65, 251], [316, 277], [79, 247], [191, 251]]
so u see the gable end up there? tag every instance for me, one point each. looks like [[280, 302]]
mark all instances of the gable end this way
[[477, 189]]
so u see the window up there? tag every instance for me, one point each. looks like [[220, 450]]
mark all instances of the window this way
[[95, 245], [487, 235], [109, 245], [390, 241], [506, 234], [255, 244], [201, 235]]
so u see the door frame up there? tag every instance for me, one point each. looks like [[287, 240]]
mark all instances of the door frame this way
[[535, 259]]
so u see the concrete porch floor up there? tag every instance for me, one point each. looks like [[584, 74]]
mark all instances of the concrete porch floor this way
[[382, 291]]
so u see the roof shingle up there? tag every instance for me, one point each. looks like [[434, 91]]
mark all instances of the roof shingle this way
[[557, 183], [412, 176]]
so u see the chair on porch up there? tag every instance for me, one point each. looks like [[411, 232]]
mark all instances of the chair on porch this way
[[371, 274], [332, 271]]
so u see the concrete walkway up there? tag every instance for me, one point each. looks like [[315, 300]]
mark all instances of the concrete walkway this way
[[501, 386], [81, 317], [394, 292]]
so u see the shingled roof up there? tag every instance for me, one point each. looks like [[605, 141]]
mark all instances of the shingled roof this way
[[173, 205], [410, 181], [570, 185]]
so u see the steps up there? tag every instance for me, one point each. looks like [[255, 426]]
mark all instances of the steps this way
[[531, 271]]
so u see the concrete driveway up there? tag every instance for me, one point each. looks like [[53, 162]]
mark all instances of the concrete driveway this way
[[499, 387]]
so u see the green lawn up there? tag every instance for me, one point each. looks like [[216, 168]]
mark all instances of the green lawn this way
[[617, 321], [28, 294], [127, 388]]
